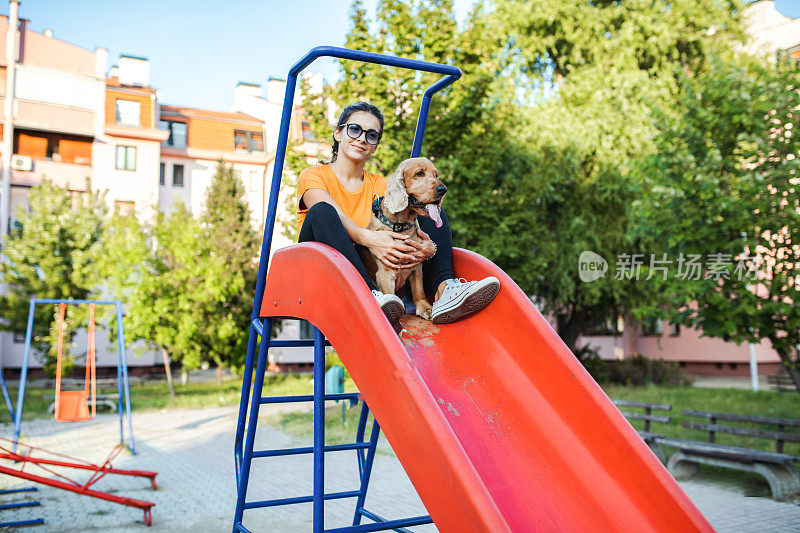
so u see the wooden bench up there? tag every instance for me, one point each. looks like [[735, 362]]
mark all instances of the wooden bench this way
[[651, 439], [781, 382], [109, 400], [777, 467]]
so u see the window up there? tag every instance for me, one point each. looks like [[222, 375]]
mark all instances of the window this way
[[178, 133], [307, 134], [613, 325], [125, 207], [19, 337], [674, 330], [128, 112], [254, 180], [162, 171], [177, 175], [237, 174], [52, 148], [251, 141], [306, 330], [126, 158], [652, 327]]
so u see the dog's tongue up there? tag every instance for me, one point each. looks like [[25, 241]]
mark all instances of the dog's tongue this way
[[433, 212]]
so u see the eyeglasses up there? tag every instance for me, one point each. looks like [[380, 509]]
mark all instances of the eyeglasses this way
[[354, 131]]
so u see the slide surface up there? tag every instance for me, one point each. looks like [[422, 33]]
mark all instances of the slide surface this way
[[497, 424]]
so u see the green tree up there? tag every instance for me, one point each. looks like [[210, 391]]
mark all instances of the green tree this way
[[593, 73], [162, 306], [224, 311], [308, 151], [724, 186], [52, 255]]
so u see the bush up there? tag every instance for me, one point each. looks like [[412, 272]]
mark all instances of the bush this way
[[636, 371]]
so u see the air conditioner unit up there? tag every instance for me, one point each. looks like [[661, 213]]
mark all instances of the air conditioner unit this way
[[21, 162]]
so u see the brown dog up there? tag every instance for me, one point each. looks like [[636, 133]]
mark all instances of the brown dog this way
[[414, 190]]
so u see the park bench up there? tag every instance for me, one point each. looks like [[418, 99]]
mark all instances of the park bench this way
[[651, 439], [781, 382], [777, 467]]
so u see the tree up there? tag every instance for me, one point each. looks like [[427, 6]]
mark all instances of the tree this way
[[594, 72], [723, 186], [305, 152], [162, 306], [52, 255], [233, 245]]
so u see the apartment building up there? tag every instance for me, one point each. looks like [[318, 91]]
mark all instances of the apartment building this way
[[82, 124], [197, 140]]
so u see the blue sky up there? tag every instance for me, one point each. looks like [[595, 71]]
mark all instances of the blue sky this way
[[199, 49]]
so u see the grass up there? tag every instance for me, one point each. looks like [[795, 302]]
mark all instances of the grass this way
[[762, 403], [155, 396]]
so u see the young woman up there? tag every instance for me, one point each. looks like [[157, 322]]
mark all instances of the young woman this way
[[335, 206]]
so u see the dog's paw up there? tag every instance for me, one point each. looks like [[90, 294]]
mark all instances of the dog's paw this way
[[424, 310]]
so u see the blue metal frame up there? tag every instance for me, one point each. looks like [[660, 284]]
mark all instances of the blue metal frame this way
[[19, 505], [123, 386], [260, 329]]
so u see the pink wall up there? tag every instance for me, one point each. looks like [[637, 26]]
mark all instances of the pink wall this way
[[36, 50]]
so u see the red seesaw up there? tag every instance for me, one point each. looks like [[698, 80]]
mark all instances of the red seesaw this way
[[69, 484]]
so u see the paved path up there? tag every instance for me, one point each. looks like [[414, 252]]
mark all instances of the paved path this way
[[193, 452]]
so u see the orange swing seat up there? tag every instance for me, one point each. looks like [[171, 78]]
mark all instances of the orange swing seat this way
[[74, 405]]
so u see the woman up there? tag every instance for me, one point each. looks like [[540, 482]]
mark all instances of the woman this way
[[335, 206]]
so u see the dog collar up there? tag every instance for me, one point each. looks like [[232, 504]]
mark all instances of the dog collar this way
[[378, 212]]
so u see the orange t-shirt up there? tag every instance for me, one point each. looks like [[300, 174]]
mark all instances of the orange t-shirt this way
[[357, 206]]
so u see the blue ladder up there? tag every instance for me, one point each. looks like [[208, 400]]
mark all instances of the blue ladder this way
[[260, 329], [20, 505], [365, 450]]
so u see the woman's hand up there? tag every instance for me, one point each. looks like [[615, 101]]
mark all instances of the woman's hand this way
[[390, 248], [422, 250]]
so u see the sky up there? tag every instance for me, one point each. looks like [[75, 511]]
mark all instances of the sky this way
[[199, 50]]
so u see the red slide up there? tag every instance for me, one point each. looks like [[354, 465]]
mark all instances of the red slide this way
[[497, 424]]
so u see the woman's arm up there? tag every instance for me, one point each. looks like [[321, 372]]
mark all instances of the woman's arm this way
[[388, 247]]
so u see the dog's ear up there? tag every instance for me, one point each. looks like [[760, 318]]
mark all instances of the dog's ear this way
[[396, 198]]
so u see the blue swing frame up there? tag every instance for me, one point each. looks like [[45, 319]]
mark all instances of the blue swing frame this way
[[260, 328], [123, 386]]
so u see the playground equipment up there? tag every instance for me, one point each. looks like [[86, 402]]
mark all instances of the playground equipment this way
[[52, 459], [74, 405], [71, 406], [496, 423], [20, 505]]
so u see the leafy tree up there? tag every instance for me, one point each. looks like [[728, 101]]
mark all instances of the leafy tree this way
[[303, 153], [724, 186], [594, 72], [224, 311], [51, 255], [162, 306]]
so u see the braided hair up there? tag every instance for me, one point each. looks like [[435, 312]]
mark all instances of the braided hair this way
[[347, 113]]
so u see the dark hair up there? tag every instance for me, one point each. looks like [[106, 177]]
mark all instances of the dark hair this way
[[347, 113]]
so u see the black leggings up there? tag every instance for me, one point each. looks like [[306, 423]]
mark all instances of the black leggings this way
[[322, 224]]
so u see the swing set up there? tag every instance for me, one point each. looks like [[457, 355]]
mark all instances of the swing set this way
[[74, 406]]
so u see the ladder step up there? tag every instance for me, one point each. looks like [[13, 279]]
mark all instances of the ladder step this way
[[310, 449], [299, 499], [352, 396], [18, 505], [14, 491], [382, 526], [284, 343], [378, 518]]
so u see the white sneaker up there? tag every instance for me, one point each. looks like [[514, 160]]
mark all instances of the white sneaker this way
[[392, 307], [462, 298]]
